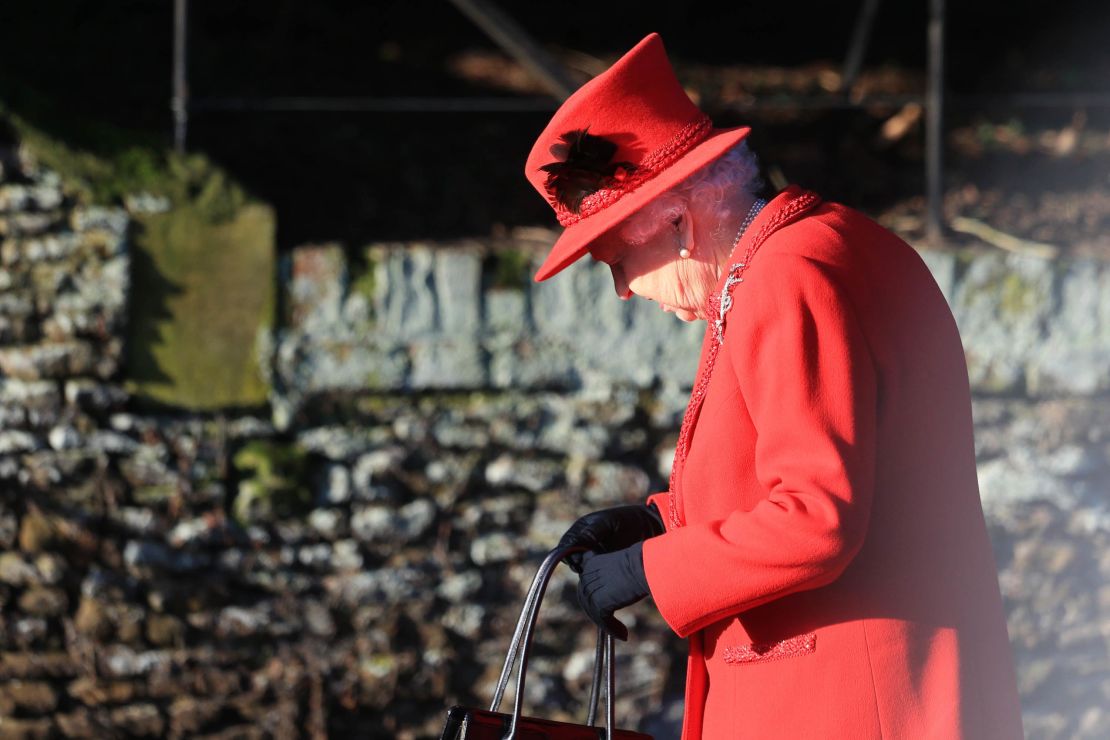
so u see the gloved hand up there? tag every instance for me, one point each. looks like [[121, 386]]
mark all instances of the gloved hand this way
[[610, 581], [611, 529]]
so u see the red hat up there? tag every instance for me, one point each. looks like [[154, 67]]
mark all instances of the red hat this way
[[621, 139]]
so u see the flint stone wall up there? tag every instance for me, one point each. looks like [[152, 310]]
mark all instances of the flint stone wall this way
[[353, 560]]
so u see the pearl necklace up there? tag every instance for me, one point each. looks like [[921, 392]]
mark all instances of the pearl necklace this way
[[757, 206], [734, 276]]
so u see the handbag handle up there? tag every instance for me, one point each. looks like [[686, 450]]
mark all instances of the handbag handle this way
[[522, 641], [514, 644]]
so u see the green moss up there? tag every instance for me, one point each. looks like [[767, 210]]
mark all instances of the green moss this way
[[1017, 296], [201, 291], [115, 163], [363, 275], [203, 273], [156, 494], [454, 400], [509, 269], [378, 665], [1015, 293], [268, 459], [372, 379], [273, 481], [964, 258], [387, 404]]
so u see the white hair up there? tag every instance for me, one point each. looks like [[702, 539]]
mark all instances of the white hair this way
[[710, 190]]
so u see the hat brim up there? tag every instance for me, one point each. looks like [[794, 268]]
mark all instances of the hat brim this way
[[576, 239]]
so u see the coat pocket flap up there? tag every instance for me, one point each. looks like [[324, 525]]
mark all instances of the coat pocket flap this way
[[759, 652]]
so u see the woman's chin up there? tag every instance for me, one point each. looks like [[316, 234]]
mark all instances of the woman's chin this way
[[680, 313]]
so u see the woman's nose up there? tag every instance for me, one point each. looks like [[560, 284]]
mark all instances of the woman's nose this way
[[619, 283]]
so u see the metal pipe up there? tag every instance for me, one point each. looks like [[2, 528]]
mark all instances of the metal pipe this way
[[513, 39], [934, 128], [377, 105], [1030, 100], [507, 104], [860, 37], [180, 101]]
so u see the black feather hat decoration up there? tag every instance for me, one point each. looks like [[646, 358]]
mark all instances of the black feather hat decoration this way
[[585, 168]]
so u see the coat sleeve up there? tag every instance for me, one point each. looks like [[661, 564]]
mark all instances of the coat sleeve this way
[[660, 499], [807, 379]]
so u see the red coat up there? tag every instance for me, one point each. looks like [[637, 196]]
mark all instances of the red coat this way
[[826, 552]]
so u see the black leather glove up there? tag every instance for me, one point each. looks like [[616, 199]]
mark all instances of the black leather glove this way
[[610, 581], [611, 529]]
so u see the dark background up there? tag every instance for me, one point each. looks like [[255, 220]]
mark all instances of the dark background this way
[[360, 177]]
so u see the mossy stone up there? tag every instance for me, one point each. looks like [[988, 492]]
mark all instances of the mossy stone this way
[[274, 483], [154, 495], [201, 293], [203, 273]]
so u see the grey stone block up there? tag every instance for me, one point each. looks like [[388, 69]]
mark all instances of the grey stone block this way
[[533, 362], [1001, 306], [447, 362], [303, 363], [555, 307], [49, 360], [112, 219], [506, 312], [1074, 358], [458, 284], [317, 278], [50, 247], [530, 474], [404, 293], [942, 265]]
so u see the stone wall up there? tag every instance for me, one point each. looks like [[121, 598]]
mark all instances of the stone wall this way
[[353, 561], [428, 316]]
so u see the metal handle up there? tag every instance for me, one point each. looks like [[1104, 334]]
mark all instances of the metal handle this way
[[531, 604], [522, 641]]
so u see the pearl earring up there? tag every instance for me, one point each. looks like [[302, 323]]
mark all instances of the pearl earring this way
[[684, 253]]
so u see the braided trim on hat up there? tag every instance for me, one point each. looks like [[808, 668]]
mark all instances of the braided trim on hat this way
[[682, 142]]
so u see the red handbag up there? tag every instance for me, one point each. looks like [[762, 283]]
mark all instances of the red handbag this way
[[470, 723]]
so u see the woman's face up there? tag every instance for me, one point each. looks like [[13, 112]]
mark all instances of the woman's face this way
[[654, 269]]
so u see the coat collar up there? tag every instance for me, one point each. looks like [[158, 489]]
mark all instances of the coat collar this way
[[788, 206]]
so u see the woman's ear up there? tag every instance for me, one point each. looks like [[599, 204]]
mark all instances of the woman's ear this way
[[686, 230]]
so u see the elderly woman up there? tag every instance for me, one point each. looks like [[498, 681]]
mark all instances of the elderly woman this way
[[821, 544]]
